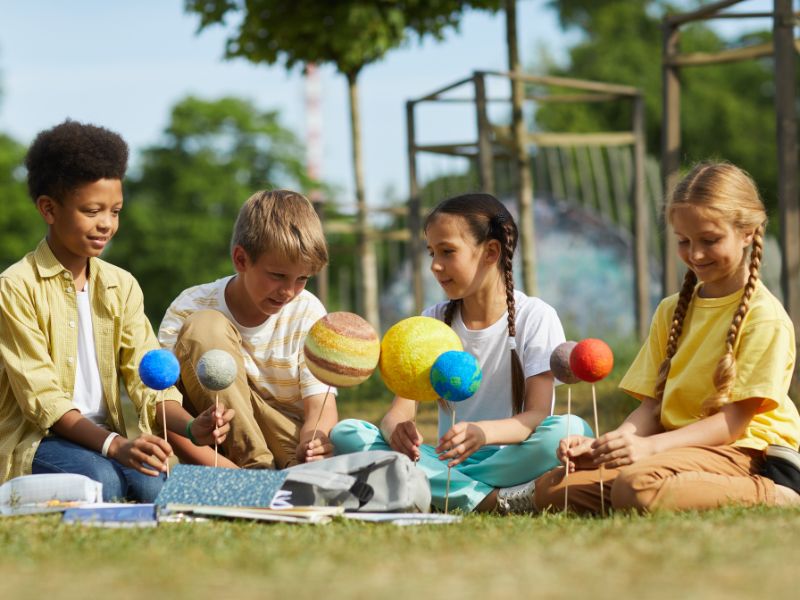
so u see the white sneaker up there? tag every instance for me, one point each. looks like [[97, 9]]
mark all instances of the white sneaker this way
[[517, 499]]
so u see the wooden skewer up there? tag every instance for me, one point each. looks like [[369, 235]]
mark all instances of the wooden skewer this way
[[216, 409], [449, 468], [164, 421], [566, 467], [319, 416], [600, 469]]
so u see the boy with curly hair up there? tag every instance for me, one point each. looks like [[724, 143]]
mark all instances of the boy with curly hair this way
[[72, 326]]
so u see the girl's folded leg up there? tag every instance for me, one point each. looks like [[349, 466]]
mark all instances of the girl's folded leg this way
[[523, 462]]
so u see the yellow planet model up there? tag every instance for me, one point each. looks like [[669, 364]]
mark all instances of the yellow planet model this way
[[408, 351]]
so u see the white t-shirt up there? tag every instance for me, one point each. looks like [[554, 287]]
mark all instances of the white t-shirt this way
[[272, 352], [539, 331], [88, 395]]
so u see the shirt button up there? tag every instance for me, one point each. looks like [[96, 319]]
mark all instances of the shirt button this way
[[69, 288], [72, 324], [66, 275], [70, 360]]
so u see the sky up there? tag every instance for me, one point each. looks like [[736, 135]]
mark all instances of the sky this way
[[123, 65]]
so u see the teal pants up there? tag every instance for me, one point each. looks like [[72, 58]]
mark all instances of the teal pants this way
[[489, 468]]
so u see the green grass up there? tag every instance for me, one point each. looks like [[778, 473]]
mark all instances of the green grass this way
[[732, 553]]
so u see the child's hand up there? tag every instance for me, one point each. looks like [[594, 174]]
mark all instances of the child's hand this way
[[212, 425], [462, 440], [617, 449], [147, 454], [317, 449], [575, 452], [407, 439]]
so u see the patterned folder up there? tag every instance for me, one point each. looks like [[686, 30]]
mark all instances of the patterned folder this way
[[209, 486]]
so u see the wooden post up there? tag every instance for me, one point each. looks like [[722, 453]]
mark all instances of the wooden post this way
[[786, 116], [414, 213], [640, 221], [670, 148], [520, 157], [485, 158]]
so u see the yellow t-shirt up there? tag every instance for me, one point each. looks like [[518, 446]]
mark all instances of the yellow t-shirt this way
[[764, 351]]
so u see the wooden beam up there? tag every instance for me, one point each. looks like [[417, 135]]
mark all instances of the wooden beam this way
[[726, 56], [670, 149], [787, 146], [566, 82]]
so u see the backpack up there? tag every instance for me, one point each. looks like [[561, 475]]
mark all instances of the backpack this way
[[370, 481]]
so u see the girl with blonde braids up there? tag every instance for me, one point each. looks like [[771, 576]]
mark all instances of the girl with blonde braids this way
[[712, 377], [504, 437]]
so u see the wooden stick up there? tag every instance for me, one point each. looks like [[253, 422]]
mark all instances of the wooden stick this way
[[216, 408], [566, 466], [447, 488], [164, 421], [319, 417], [600, 469]]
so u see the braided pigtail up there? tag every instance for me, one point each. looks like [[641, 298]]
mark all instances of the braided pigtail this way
[[725, 373], [450, 311], [675, 330], [517, 373]]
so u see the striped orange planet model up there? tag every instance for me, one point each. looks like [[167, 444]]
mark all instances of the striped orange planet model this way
[[342, 349]]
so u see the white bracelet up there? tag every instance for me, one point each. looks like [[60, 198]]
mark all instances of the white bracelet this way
[[107, 443]]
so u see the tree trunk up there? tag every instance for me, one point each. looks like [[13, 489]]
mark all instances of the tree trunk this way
[[368, 280], [524, 186]]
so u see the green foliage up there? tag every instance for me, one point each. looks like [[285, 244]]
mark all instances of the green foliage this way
[[21, 227], [348, 34], [727, 111], [177, 222]]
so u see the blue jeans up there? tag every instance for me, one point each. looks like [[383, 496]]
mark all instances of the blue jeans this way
[[489, 468], [57, 455]]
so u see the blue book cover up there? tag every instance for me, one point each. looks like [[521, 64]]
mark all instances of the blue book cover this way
[[209, 486], [121, 515]]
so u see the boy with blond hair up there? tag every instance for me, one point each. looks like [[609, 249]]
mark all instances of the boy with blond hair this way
[[72, 328], [260, 316]]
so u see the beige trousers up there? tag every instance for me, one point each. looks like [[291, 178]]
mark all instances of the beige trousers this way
[[692, 478], [264, 433]]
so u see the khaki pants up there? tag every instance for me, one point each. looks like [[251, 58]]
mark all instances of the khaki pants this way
[[264, 433], [693, 478]]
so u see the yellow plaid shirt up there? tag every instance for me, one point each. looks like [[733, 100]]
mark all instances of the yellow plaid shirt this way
[[39, 344]]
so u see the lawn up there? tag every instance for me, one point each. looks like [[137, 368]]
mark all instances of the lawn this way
[[731, 553]]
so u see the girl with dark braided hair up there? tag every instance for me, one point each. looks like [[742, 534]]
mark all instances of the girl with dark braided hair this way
[[712, 377], [505, 436]]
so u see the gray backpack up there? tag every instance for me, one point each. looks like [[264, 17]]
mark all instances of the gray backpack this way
[[370, 481]]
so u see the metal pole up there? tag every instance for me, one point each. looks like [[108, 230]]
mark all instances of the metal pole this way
[[414, 216]]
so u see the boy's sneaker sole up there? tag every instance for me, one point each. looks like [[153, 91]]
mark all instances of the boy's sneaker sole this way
[[782, 465]]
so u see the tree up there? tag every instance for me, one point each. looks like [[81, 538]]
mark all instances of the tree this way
[[728, 109], [348, 34], [179, 213], [21, 227]]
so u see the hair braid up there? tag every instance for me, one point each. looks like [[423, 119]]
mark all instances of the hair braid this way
[[517, 373], [675, 330], [450, 311], [725, 373]]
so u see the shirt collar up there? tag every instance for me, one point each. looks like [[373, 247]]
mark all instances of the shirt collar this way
[[49, 266]]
